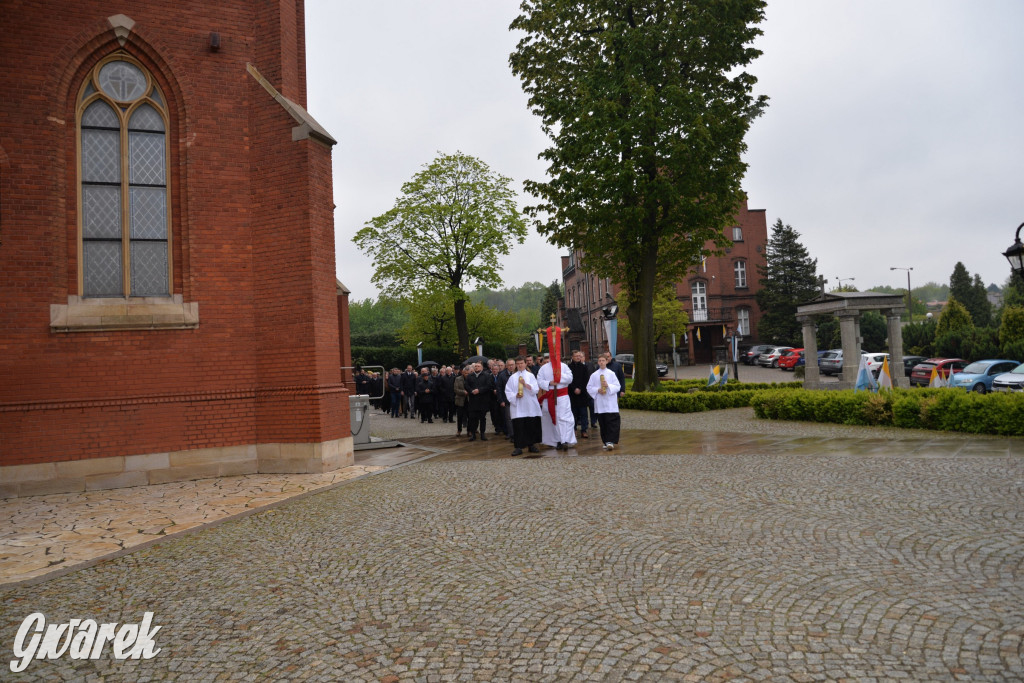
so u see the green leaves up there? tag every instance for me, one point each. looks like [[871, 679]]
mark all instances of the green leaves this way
[[646, 107], [454, 221]]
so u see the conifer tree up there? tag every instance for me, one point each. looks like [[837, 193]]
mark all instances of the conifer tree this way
[[788, 279]]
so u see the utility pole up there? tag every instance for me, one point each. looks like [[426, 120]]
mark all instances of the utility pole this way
[[910, 303]]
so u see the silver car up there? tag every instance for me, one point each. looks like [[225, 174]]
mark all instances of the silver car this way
[[1009, 381], [831, 363], [770, 358]]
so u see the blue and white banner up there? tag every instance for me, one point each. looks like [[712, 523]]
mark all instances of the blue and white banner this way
[[611, 331]]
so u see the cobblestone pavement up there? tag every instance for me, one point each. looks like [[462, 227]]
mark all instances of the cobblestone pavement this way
[[608, 567], [42, 536]]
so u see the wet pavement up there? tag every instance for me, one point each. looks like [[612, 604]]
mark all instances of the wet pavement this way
[[682, 555]]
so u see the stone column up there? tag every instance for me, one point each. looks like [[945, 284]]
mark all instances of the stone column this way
[[899, 377], [849, 331], [811, 377]]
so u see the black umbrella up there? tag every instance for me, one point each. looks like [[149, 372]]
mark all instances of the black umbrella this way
[[483, 360], [428, 364]]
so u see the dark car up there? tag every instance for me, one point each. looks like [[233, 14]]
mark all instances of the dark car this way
[[909, 362], [627, 362], [921, 375], [749, 357]]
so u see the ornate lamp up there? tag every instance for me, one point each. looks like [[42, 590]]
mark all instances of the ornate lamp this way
[[1015, 254]]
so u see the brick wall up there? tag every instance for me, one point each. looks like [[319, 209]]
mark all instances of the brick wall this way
[[252, 241]]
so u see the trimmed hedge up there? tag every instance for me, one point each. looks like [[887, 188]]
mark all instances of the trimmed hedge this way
[[689, 385], [939, 409], [698, 401]]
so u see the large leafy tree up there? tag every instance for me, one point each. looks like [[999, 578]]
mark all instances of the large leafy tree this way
[[448, 231], [646, 104], [788, 279]]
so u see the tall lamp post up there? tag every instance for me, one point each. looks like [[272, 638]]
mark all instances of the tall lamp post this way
[[840, 280], [910, 305], [1015, 254]]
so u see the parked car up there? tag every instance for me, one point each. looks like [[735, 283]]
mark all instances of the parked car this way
[[874, 363], [770, 358], [792, 358], [627, 362], [921, 375], [831, 362], [1009, 381], [978, 376], [909, 362], [750, 356]]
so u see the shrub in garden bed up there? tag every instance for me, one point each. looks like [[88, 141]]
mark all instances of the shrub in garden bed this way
[[940, 409], [688, 385]]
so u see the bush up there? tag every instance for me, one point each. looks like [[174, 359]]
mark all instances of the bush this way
[[939, 409]]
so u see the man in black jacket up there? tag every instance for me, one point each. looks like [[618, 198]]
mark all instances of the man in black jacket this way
[[395, 391], [409, 391], [579, 399], [425, 396], [479, 393]]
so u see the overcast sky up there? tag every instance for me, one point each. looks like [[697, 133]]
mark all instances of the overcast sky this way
[[894, 134]]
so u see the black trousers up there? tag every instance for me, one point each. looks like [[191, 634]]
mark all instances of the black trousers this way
[[426, 409], [609, 423], [526, 431], [477, 419], [462, 417]]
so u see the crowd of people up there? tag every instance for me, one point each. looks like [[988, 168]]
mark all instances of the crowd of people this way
[[528, 400]]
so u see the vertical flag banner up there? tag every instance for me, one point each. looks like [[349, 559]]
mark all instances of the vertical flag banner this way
[[698, 334], [935, 381], [713, 376], [864, 379], [539, 341], [725, 376], [884, 378], [419, 355], [611, 331]]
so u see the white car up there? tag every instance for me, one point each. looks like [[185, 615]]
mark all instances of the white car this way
[[1010, 381], [874, 363]]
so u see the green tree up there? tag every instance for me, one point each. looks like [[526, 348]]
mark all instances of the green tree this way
[[919, 338], [788, 279], [454, 220], [550, 305], [669, 317], [971, 294], [1011, 329], [380, 319], [873, 331], [647, 106], [954, 317], [432, 320]]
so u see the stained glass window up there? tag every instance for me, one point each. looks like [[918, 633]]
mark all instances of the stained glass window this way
[[124, 191]]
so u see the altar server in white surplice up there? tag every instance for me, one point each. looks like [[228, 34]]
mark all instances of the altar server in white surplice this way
[[559, 426], [524, 408], [604, 387]]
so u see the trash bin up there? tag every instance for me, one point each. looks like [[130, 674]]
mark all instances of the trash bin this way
[[359, 416]]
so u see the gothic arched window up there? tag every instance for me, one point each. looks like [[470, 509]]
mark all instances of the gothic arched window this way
[[124, 224]]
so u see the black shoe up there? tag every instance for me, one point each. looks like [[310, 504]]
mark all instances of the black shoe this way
[[472, 437], [483, 438], [558, 446], [518, 451], [430, 422], [534, 449]]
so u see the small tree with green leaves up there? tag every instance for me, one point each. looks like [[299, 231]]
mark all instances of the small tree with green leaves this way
[[669, 317], [447, 231], [954, 317]]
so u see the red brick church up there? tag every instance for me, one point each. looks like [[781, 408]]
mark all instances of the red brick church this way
[[168, 300]]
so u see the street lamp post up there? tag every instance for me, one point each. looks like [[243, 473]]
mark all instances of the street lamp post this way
[[1015, 254], [910, 305], [840, 280]]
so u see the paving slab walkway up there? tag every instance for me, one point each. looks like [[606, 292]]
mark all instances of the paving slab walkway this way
[[682, 556]]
